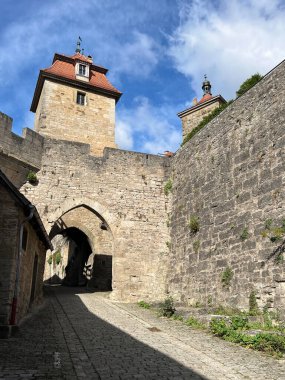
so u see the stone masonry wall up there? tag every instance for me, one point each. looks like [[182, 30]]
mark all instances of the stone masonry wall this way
[[18, 155], [192, 119], [231, 178], [127, 190], [60, 117], [10, 218]]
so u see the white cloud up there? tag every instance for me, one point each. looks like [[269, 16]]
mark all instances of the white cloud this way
[[229, 41], [136, 57], [54, 27], [147, 128]]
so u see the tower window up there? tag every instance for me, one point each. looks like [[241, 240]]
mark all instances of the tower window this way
[[81, 98], [82, 70]]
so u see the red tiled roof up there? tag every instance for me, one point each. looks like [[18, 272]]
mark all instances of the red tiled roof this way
[[66, 69], [205, 98], [82, 57], [63, 70]]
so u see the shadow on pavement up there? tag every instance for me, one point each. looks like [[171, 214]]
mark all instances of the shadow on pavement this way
[[65, 340]]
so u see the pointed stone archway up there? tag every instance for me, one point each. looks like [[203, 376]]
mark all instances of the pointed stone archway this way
[[83, 253]]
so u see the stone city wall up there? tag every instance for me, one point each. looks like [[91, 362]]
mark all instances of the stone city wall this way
[[18, 155], [127, 190], [230, 178]]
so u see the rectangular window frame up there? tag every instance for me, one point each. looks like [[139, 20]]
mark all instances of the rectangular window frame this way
[[82, 70], [81, 98]]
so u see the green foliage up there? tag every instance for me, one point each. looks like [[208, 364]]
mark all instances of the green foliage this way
[[195, 323], [273, 232], [205, 121], [227, 276], [54, 258], [270, 343], [196, 246], [167, 308], [32, 178], [57, 257], [144, 304], [239, 321], [168, 187], [168, 244], [244, 234], [253, 306], [49, 260], [247, 84], [194, 224]]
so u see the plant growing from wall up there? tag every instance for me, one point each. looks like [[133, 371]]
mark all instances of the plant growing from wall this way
[[32, 178], [244, 234], [253, 306], [248, 83], [168, 187], [205, 121], [194, 224], [227, 276], [273, 232], [245, 86]]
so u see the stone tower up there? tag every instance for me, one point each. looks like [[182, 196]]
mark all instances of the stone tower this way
[[192, 116], [74, 101]]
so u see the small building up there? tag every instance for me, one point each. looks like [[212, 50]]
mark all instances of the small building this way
[[192, 116], [23, 245]]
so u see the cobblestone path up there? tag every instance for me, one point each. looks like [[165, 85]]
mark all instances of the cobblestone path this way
[[81, 335]]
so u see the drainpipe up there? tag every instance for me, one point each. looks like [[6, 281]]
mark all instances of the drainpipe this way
[[18, 266]]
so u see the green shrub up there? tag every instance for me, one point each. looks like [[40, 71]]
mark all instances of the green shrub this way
[[270, 343], [239, 322], [144, 304], [227, 276], [168, 187], [248, 83], [32, 177], [167, 308], [194, 224], [218, 327]]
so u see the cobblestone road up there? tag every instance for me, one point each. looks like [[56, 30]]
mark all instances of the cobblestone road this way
[[81, 335]]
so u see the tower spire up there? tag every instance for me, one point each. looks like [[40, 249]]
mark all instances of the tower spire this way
[[206, 86], [78, 50]]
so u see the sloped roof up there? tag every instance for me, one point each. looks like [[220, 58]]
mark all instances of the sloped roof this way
[[63, 70], [205, 101], [26, 205]]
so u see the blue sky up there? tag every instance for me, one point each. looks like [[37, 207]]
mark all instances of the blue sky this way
[[157, 52]]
